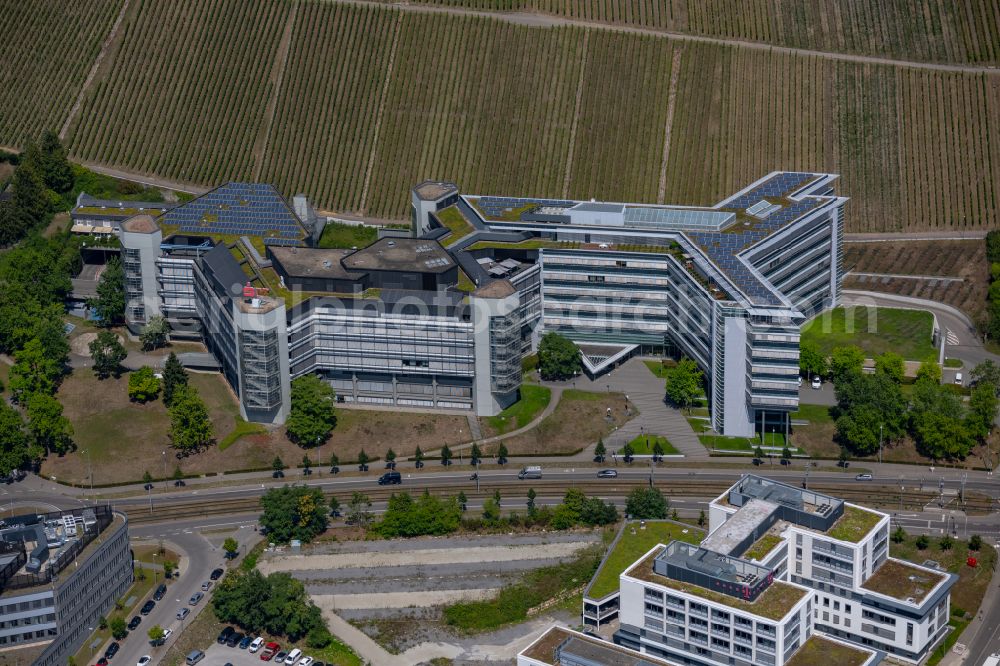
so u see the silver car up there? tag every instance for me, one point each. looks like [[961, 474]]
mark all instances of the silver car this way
[[195, 598]]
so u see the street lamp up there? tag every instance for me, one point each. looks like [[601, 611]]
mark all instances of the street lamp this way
[[164, 468]]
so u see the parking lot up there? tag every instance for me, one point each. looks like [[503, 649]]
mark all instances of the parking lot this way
[[219, 655]]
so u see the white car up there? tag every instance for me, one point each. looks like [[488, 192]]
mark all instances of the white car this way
[[817, 382], [167, 633], [257, 644], [305, 661], [143, 660]]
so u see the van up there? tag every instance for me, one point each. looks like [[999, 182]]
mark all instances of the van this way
[[958, 378], [390, 479], [293, 656], [532, 472], [194, 656], [256, 645]]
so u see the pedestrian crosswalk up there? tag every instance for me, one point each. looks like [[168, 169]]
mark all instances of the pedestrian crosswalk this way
[[951, 338]]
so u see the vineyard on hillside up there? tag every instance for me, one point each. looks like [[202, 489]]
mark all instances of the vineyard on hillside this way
[[925, 30], [873, 267], [373, 99], [48, 49], [186, 90]]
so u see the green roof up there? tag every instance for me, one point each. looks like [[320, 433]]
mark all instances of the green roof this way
[[854, 525], [818, 650], [762, 547], [630, 547]]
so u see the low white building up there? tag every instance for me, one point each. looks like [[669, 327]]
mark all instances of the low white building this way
[[780, 565]]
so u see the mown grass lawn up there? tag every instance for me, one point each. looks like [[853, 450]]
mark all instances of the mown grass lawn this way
[[875, 331], [534, 400], [340, 235], [578, 420], [643, 445]]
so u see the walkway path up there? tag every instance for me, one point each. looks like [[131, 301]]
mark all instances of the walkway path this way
[[644, 390]]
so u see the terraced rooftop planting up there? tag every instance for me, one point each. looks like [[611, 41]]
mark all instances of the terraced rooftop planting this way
[[902, 581]]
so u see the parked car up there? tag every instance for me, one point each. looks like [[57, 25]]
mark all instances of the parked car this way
[[959, 379], [277, 474], [256, 645], [161, 591], [103, 661], [234, 639], [245, 642], [217, 574], [390, 479], [305, 661], [196, 598], [134, 622], [817, 382], [194, 656], [206, 586], [863, 477], [143, 660], [112, 651], [269, 651], [148, 486], [224, 635], [167, 633], [179, 483], [607, 474], [531, 472], [279, 658], [148, 607], [293, 656], [183, 613]]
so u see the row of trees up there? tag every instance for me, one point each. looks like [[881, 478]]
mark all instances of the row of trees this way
[[301, 512], [43, 173], [989, 321], [873, 410], [34, 281]]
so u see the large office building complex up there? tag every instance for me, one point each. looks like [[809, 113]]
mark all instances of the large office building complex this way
[[780, 565], [59, 573], [442, 318]]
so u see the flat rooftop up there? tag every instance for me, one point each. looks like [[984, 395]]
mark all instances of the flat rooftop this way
[[431, 190], [415, 255], [739, 526], [903, 581], [314, 262], [854, 525], [141, 224], [819, 650], [719, 233], [557, 643], [774, 603]]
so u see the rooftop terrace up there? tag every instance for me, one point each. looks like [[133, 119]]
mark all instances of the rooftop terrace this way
[[774, 603], [903, 581]]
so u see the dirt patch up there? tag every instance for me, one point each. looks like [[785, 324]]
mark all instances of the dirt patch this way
[[121, 439], [80, 345], [578, 421]]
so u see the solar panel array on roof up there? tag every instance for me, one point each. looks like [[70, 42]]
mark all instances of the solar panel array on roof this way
[[246, 209], [497, 206], [778, 185], [672, 218]]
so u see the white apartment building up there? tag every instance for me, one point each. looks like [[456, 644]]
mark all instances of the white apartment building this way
[[780, 565]]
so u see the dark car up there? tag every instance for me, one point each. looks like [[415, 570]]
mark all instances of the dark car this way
[[607, 474], [148, 486], [179, 483], [217, 574], [307, 471], [234, 639], [134, 622], [224, 635], [161, 591], [390, 479], [111, 651], [245, 643], [148, 607], [102, 661], [278, 474]]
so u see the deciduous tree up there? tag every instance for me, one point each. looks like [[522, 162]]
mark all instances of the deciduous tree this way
[[154, 333], [49, 429], [312, 418], [558, 357], [293, 512], [891, 365], [812, 363], [646, 503], [108, 353], [684, 383], [190, 426], [143, 385], [846, 362], [110, 300]]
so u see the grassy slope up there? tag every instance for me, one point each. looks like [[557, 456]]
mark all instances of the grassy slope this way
[[578, 421], [632, 546], [905, 332], [534, 399]]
